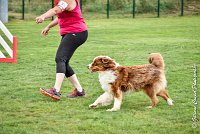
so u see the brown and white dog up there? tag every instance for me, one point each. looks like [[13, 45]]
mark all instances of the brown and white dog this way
[[116, 79]]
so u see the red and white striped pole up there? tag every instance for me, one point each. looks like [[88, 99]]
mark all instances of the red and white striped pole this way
[[12, 52]]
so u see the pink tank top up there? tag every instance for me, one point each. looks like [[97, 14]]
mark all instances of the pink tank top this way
[[71, 21]]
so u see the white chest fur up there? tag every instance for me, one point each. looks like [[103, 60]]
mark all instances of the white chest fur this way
[[105, 78]]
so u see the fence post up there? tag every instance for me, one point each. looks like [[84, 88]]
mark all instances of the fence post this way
[[81, 4], [23, 9], [133, 8], [4, 10], [182, 7], [158, 11], [52, 5], [108, 8]]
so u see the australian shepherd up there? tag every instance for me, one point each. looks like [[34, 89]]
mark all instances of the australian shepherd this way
[[116, 80]]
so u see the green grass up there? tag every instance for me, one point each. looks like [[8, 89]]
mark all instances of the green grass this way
[[24, 110]]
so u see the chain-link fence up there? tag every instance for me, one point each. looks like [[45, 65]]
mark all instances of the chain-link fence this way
[[99, 8]]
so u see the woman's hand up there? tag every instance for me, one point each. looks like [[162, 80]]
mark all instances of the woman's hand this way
[[39, 19], [45, 31]]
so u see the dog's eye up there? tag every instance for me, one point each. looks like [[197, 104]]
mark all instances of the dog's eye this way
[[98, 63]]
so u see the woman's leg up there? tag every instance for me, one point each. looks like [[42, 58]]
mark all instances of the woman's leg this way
[[69, 44], [74, 80], [59, 79]]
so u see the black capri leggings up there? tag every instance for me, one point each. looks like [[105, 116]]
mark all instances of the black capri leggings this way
[[69, 43]]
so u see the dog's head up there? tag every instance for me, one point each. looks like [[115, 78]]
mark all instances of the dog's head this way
[[102, 63]]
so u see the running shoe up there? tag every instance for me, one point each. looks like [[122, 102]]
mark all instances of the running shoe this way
[[51, 93], [76, 93]]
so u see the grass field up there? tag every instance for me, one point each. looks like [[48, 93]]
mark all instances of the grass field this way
[[24, 110]]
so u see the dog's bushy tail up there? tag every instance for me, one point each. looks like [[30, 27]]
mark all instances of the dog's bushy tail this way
[[157, 60]]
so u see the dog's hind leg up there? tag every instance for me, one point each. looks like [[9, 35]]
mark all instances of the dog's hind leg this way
[[103, 100], [165, 96], [151, 93]]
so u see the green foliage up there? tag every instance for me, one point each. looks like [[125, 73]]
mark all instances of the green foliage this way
[[98, 8], [143, 6], [146, 6], [168, 4], [31, 6], [118, 4], [94, 6], [16, 9], [24, 110]]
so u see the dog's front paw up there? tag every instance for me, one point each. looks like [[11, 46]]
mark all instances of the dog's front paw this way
[[113, 110], [92, 105]]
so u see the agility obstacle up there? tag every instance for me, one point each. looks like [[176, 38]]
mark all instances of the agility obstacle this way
[[12, 52]]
